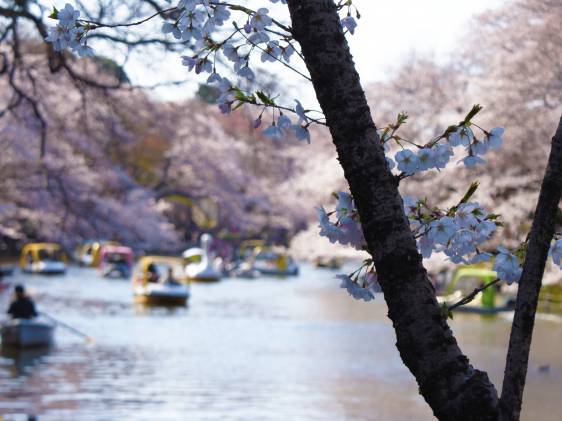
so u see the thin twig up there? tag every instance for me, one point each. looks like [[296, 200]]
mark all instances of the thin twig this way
[[280, 107], [472, 295], [268, 53], [123, 25]]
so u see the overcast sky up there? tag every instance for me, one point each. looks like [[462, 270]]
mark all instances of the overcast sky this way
[[388, 32]]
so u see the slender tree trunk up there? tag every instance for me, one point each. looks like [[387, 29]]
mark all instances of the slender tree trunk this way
[[530, 283], [447, 381]]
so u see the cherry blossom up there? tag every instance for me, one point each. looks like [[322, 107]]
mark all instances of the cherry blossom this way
[[349, 23], [407, 161], [556, 252], [507, 266], [260, 20], [442, 230], [357, 292]]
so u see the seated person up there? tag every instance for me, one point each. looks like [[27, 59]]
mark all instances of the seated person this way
[[170, 278], [22, 307], [152, 273]]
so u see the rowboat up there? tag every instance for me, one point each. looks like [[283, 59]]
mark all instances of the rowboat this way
[[22, 333]]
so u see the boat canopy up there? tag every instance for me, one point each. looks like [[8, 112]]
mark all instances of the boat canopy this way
[[109, 252], [162, 264]]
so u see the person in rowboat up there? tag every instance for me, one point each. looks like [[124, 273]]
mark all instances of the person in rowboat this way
[[22, 307]]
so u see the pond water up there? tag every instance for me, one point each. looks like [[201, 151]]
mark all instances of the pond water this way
[[263, 349]]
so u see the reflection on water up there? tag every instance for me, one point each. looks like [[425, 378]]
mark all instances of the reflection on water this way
[[265, 349], [22, 360]]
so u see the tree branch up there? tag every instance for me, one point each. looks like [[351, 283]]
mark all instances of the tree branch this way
[[530, 283], [472, 295], [96, 24]]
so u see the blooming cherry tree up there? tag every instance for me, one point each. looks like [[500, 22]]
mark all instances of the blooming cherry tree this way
[[373, 216]]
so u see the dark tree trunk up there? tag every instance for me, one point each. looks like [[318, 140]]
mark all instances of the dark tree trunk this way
[[447, 381], [530, 282]]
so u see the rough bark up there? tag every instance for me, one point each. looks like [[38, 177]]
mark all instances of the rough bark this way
[[447, 381], [530, 283]]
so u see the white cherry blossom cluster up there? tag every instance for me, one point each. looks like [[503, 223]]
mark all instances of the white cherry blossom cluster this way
[[232, 97], [436, 155], [507, 266], [361, 287], [69, 33], [555, 251], [197, 24], [457, 232], [285, 126], [346, 228], [202, 26]]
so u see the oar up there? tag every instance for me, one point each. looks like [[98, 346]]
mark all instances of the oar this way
[[88, 338]]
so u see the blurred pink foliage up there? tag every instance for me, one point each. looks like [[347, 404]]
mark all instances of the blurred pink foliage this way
[[111, 155]]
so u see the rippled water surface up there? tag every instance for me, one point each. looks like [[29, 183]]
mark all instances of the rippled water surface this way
[[265, 349]]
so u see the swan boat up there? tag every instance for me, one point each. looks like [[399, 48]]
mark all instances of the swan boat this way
[[200, 262]]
